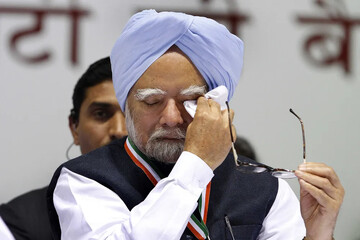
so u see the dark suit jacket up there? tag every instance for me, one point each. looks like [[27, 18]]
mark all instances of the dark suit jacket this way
[[245, 198], [27, 216]]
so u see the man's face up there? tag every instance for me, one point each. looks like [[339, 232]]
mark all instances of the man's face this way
[[156, 117], [100, 120]]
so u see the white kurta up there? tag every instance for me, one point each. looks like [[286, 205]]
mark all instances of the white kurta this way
[[5, 233], [88, 210]]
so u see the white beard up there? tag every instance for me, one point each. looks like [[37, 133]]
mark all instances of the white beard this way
[[163, 150]]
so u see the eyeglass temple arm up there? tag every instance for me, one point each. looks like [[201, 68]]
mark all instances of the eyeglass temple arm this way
[[303, 134], [231, 135]]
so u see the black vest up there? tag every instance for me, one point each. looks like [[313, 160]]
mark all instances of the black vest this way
[[245, 198]]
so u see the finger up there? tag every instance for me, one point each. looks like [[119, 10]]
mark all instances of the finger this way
[[202, 102], [319, 182], [229, 115], [322, 198], [226, 112], [202, 107], [214, 106], [322, 170], [234, 132], [232, 114]]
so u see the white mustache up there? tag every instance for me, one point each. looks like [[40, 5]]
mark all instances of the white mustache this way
[[175, 133]]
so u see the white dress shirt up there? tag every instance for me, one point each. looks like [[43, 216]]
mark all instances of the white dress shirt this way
[[88, 210], [5, 233]]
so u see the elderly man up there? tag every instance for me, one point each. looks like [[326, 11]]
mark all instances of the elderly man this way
[[172, 177], [95, 120]]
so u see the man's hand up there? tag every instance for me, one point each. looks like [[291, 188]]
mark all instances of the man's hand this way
[[208, 136], [321, 195]]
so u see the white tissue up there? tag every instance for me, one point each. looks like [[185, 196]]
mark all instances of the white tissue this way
[[219, 95]]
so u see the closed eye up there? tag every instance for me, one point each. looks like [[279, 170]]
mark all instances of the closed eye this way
[[153, 100]]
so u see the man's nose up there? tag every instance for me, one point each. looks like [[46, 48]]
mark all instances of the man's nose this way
[[117, 126], [171, 115]]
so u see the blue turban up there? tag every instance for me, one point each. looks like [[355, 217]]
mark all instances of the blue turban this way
[[216, 53]]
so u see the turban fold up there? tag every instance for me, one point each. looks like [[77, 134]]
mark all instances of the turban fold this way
[[216, 53]]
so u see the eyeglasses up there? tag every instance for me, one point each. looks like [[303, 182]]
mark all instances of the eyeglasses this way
[[251, 167]]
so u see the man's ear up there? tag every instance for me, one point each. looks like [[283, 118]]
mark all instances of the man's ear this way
[[73, 128]]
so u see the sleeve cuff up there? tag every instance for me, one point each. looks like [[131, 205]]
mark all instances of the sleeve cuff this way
[[192, 170]]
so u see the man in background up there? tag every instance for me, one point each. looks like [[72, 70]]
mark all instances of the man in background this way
[[95, 120], [244, 148]]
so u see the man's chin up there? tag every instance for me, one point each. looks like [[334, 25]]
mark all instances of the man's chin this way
[[165, 150]]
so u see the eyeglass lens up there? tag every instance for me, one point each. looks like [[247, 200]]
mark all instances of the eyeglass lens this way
[[247, 167]]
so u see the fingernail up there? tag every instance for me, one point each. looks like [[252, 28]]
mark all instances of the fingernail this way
[[302, 167]]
